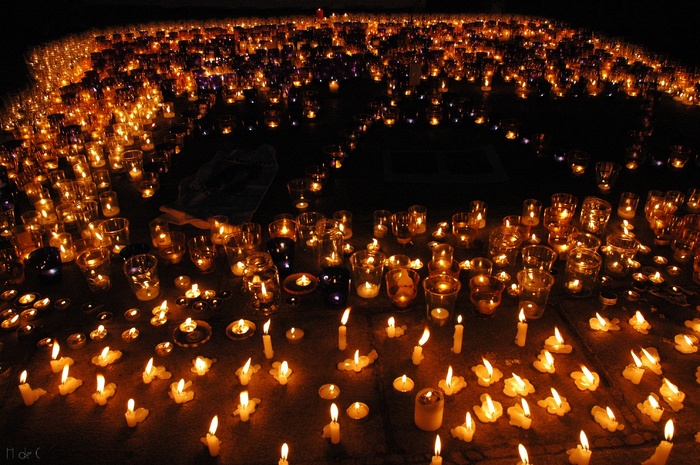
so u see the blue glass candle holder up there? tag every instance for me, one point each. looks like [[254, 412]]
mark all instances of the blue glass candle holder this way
[[47, 262], [334, 284], [281, 249]]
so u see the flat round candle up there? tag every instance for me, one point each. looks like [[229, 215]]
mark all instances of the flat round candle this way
[[329, 391], [357, 410], [300, 283], [403, 384]]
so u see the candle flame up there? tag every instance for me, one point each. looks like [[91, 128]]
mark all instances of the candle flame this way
[[584, 441], [652, 402], [241, 325], [468, 421], [448, 378], [637, 362], [266, 326], [346, 315], [639, 318], [459, 319], [611, 415], [602, 321], [130, 406], [23, 377], [649, 357], [424, 337], [521, 316], [549, 360], [557, 399], [100, 384], [214, 424], [149, 366], [526, 407], [357, 357], [285, 451], [55, 350], [588, 375], [671, 386], [519, 380], [64, 374], [246, 367], [688, 340], [416, 264], [199, 364], [303, 280], [104, 352], [334, 412], [490, 409], [164, 305], [180, 385], [489, 368], [557, 336], [437, 445], [244, 399], [523, 455], [392, 322], [668, 430], [284, 368]]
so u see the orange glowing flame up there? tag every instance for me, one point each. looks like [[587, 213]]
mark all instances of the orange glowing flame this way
[[668, 430], [214, 424], [23, 377], [424, 337], [523, 455], [526, 407], [100, 384], [521, 316], [266, 327], [601, 320], [346, 315], [437, 445], [611, 415], [637, 361], [334, 413], [448, 378], [584, 441], [285, 451]]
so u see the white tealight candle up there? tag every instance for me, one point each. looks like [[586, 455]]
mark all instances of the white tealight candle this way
[[403, 384], [281, 372]]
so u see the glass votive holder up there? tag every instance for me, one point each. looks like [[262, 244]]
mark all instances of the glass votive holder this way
[[606, 173], [55, 176], [367, 269], [86, 190], [272, 118], [420, 214], [81, 170], [299, 193], [568, 202], [403, 227], [116, 233], [64, 243], [536, 256], [7, 220], [31, 217], [101, 179], [684, 245], [627, 206], [333, 156], [678, 156], [281, 249], [402, 286], [334, 285], [485, 293], [159, 228], [26, 238], [578, 161], [504, 245], [251, 236], [317, 176], [535, 286], [109, 203], [464, 228], [480, 208], [203, 253], [47, 263], [220, 229], [116, 161], [595, 213], [440, 298], [692, 202], [306, 229], [148, 184], [619, 251], [95, 154], [133, 164], [283, 227], [398, 261], [141, 272], [344, 219], [146, 141], [95, 265], [581, 271], [381, 223], [261, 283], [172, 247], [46, 210], [532, 209]]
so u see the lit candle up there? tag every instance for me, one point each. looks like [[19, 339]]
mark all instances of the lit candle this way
[[673, 397], [57, 364], [556, 344], [329, 391], [520, 415], [555, 404], [211, 441], [693, 324], [29, 395], [343, 330], [417, 356], [98, 334], [600, 323], [392, 330], [179, 393], [437, 460], [182, 282], [294, 335], [585, 379], [458, 336], [486, 375], [635, 370], [544, 362], [522, 330], [639, 323], [193, 292], [332, 430], [200, 365], [267, 341], [452, 384], [516, 386], [489, 411], [281, 372], [663, 450], [686, 344], [606, 419], [247, 406], [103, 392], [403, 384], [466, 431], [245, 373], [651, 360], [68, 383], [106, 357], [357, 410], [283, 456], [524, 459], [429, 406], [582, 454], [357, 363], [651, 407], [152, 372], [134, 417]]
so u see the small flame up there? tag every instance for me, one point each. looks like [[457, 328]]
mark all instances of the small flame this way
[[130, 406], [164, 305], [64, 374], [519, 380], [285, 451], [523, 455], [149, 366], [668, 430], [416, 264], [490, 409], [55, 350], [526, 407], [688, 340], [266, 327], [448, 378], [557, 336], [180, 386], [244, 399], [424, 337], [639, 318], [23, 377], [437, 445], [602, 321], [199, 364], [357, 357], [557, 399], [549, 360], [671, 386], [346, 315], [588, 375], [652, 402], [459, 319], [334, 412], [584, 441], [649, 357], [246, 367], [392, 322], [284, 368], [241, 325], [489, 368], [214, 424], [637, 362], [611, 415], [104, 352], [468, 421], [100, 384], [521, 316]]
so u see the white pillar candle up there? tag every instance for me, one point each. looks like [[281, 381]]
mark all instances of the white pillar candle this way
[[29, 395], [458, 336], [417, 356], [267, 341], [663, 450], [342, 330], [211, 441], [522, 330]]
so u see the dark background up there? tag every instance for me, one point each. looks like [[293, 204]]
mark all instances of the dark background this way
[[666, 27]]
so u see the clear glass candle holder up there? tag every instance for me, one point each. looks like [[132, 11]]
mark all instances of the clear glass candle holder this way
[[485, 293], [440, 298], [367, 269], [203, 253]]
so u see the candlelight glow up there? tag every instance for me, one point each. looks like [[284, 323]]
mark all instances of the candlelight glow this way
[[334, 413], [490, 408], [130, 405], [346, 315], [489, 368], [459, 319], [104, 353], [468, 421], [637, 361], [392, 322], [357, 357], [266, 327], [284, 368], [523, 455], [246, 367], [526, 407], [214, 424], [671, 386], [601, 320], [64, 374], [448, 378], [164, 305], [557, 399], [23, 377], [437, 445], [557, 336], [649, 357], [244, 399], [587, 374], [199, 364], [55, 350], [100, 384], [611, 415], [424, 337], [519, 380], [584, 441], [653, 403], [285, 451], [639, 318], [668, 430], [521, 316], [180, 385]]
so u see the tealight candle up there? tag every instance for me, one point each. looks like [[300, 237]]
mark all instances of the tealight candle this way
[[544, 362], [29, 395], [245, 373], [458, 336], [486, 375], [651, 407], [211, 441], [520, 415], [489, 411], [663, 450], [582, 454], [281, 372], [673, 397], [522, 330], [98, 334], [466, 431], [555, 344], [651, 360], [294, 335], [417, 356], [134, 417], [516, 386], [451, 384], [106, 357], [332, 430], [634, 371], [179, 393], [152, 372], [130, 335], [686, 344], [600, 323], [343, 330], [329, 391], [606, 419], [358, 362], [193, 292], [183, 282], [247, 406], [201, 365], [358, 410], [403, 384], [57, 364], [555, 404], [104, 392], [639, 323], [68, 383], [585, 379]]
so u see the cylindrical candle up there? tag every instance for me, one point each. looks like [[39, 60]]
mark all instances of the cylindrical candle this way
[[429, 407]]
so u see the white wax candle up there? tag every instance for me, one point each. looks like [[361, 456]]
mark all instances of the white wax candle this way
[[57, 364], [452, 384], [585, 379], [544, 362], [104, 392], [281, 372], [106, 357], [486, 375], [521, 336], [555, 344], [606, 419], [211, 441], [663, 450], [267, 341], [179, 393], [68, 383], [29, 395], [134, 417], [556, 405], [458, 336], [634, 371], [582, 454], [332, 430], [245, 373], [343, 331], [201, 365], [651, 408], [437, 460], [466, 431], [520, 415], [357, 363], [417, 356], [517, 386], [152, 372], [489, 411], [247, 406]]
